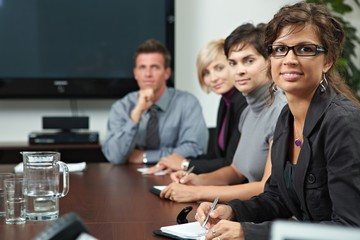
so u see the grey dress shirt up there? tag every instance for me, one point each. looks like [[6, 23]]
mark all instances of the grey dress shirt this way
[[257, 125], [182, 128]]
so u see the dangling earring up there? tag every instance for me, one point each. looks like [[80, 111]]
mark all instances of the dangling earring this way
[[274, 87], [323, 83]]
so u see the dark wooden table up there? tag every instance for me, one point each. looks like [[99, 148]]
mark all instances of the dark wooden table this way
[[113, 201]]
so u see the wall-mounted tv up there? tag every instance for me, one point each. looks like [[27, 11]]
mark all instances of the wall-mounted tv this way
[[77, 49]]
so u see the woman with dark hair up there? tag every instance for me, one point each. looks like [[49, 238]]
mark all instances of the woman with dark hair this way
[[250, 167], [315, 155]]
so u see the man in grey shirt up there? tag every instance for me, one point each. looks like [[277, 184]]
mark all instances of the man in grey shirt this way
[[182, 129]]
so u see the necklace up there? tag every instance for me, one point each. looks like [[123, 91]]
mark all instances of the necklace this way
[[297, 141]]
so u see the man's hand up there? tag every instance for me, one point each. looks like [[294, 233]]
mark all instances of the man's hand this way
[[144, 102]]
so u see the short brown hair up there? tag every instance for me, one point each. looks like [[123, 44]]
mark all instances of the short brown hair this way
[[154, 46], [247, 34]]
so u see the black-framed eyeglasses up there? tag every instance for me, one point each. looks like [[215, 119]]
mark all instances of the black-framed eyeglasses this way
[[280, 50]]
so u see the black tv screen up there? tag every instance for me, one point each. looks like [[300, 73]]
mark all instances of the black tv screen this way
[[77, 48]]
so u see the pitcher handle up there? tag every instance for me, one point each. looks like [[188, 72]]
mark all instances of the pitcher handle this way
[[65, 174]]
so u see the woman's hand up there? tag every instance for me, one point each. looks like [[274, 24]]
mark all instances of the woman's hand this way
[[176, 176], [180, 193], [220, 212], [219, 225], [171, 162], [224, 230], [181, 177], [155, 169], [167, 164]]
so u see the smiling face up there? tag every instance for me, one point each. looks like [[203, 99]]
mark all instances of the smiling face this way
[[298, 75], [217, 75], [150, 71], [249, 68]]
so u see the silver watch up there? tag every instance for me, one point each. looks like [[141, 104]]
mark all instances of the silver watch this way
[[185, 164], [144, 158]]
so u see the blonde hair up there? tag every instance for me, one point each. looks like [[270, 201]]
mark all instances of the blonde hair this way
[[206, 55]]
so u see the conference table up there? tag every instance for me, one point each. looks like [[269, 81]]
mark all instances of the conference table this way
[[113, 201]]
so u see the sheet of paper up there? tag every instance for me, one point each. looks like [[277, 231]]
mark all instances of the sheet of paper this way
[[191, 230], [145, 169]]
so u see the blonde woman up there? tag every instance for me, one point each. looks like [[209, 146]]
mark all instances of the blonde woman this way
[[214, 75]]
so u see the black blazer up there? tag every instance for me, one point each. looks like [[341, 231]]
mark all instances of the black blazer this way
[[327, 175], [216, 158]]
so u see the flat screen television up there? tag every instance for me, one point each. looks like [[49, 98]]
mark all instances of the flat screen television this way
[[77, 49]]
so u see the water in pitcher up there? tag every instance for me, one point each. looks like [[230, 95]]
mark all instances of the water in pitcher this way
[[42, 207], [41, 194], [42, 172]]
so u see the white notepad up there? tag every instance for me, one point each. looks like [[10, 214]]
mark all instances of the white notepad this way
[[191, 230]]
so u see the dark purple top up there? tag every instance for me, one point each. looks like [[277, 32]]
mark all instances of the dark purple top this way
[[227, 98]]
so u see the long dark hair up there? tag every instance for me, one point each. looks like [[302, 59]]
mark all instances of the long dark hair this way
[[328, 29]]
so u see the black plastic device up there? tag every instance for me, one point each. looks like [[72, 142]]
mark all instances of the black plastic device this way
[[68, 227], [181, 217], [65, 123]]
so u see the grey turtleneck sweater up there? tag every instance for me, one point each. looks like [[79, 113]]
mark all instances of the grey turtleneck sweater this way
[[257, 125]]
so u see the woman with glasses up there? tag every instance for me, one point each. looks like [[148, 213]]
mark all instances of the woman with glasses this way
[[315, 155]]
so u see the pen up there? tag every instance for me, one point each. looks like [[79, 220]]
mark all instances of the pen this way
[[189, 170], [212, 207], [187, 173]]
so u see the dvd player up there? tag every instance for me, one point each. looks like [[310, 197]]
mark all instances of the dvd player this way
[[63, 137]]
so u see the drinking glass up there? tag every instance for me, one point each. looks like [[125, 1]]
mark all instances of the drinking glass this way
[[14, 201], [3, 176]]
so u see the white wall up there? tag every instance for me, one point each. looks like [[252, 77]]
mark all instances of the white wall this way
[[18, 118], [200, 21], [197, 22]]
